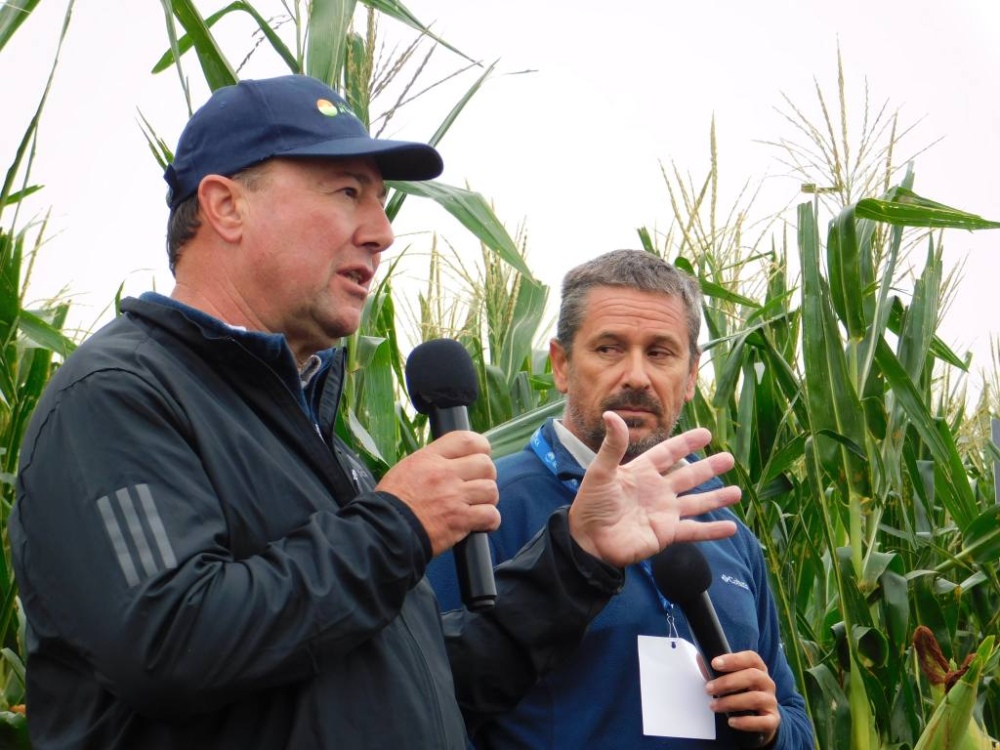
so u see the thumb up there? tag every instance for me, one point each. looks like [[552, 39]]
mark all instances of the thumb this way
[[615, 442]]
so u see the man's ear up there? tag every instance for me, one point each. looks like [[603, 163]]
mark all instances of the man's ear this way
[[222, 206], [560, 363]]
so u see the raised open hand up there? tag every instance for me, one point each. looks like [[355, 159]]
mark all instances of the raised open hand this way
[[624, 513]]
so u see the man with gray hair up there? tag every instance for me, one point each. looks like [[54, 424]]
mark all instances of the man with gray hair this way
[[626, 342]]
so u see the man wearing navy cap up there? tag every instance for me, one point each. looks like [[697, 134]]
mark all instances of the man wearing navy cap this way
[[203, 563]]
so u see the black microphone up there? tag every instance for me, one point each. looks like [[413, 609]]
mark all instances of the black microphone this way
[[441, 380], [683, 576]]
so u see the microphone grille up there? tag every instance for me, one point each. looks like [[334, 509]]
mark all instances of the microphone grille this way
[[440, 373], [681, 572]]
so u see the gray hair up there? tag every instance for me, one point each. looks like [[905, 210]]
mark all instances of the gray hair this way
[[631, 269]]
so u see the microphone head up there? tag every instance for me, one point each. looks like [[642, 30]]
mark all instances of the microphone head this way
[[681, 572], [440, 373]]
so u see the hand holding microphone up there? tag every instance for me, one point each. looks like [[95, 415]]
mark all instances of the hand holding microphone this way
[[451, 483], [683, 576]]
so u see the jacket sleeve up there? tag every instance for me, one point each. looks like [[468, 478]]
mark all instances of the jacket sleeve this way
[[547, 595], [124, 561], [795, 731]]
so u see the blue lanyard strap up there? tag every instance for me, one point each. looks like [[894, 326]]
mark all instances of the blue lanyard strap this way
[[547, 456], [665, 603]]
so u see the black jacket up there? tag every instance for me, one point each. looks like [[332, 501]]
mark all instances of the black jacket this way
[[200, 569]]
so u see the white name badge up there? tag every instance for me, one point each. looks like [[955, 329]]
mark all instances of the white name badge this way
[[674, 701]]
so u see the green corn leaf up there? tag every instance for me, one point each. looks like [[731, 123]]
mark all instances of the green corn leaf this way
[[847, 288], [19, 195], [12, 15], [911, 210], [834, 406], [14, 731], [398, 197], [400, 12], [518, 335], [214, 65], [494, 403], [475, 214], [512, 436], [935, 435], [186, 42], [44, 334], [327, 39], [460, 106], [829, 707], [938, 348], [982, 541]]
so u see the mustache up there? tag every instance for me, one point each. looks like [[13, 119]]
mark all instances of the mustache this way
[[632, 400]]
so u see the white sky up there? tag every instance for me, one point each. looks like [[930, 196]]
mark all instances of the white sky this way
[[571, 152]]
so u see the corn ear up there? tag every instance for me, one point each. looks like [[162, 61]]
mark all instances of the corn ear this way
[[952, 726]]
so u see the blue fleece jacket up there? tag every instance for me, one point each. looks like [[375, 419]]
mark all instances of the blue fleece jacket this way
[[592, 700]]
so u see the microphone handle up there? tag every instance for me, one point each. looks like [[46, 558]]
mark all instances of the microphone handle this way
[[711, 641], [473, 560], [706, 629], [474, 564], [445, 419]]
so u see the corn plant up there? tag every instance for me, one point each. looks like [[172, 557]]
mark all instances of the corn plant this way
[[30, 339], [877, 523]]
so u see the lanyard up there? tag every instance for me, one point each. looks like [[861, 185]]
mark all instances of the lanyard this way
[[547, 456]]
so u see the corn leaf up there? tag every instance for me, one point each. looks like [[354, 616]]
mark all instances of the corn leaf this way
[[12, 14], [185, 42], [214, 65], [327, 38], [475, 214]]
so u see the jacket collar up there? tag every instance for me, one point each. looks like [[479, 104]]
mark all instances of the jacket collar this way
[[211, 336]]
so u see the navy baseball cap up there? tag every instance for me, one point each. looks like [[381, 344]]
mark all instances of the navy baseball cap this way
[[293, 115]]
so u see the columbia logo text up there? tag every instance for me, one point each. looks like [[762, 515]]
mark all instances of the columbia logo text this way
[[735, 582]]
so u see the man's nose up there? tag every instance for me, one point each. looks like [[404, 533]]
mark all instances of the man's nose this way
[[375, 231], [634, 374]]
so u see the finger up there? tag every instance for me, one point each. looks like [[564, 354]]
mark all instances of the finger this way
[[756, 701], [615, 442], [666, 454], [702, 531], [693, 474], [472, 467], [749, 679], [745, 690], [460, 443], [739, 660], [484, 518], [702, 502], [480, 492], [765, 724]]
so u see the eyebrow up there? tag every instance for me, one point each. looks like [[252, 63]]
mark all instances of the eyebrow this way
[[365, 179], [660, 340]]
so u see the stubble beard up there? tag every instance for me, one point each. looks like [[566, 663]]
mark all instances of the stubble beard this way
[[592, 430]]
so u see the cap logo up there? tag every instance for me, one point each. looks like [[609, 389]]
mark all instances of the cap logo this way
[[331, 109]]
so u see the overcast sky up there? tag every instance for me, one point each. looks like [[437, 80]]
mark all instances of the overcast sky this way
[[572, 152]]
